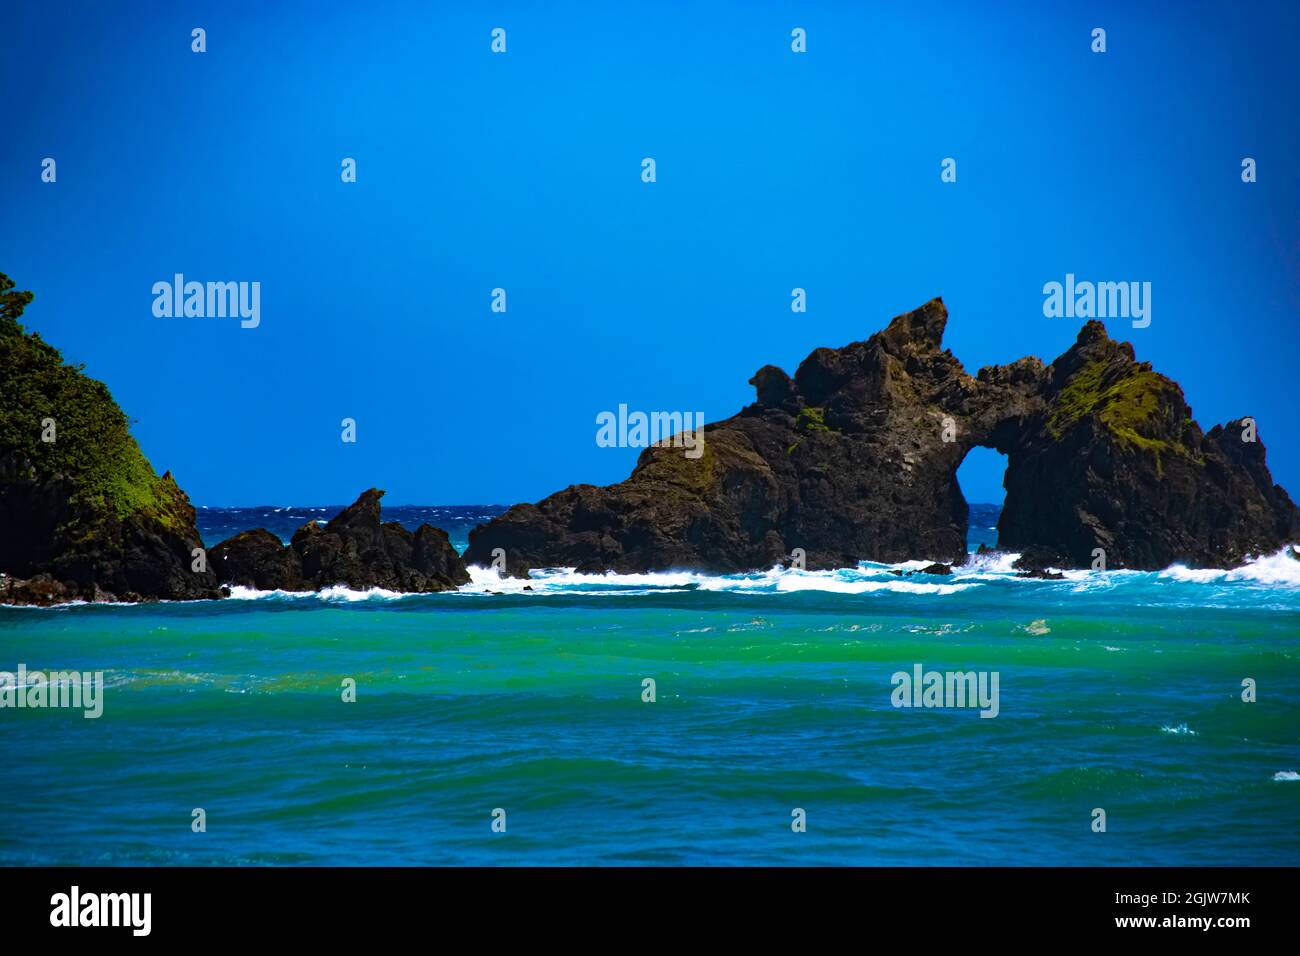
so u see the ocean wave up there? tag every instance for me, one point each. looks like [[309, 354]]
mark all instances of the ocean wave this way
[[980, 570], [860, 580], [992, 563], [995, 567], [335, 594], [777, 580], [1279, 571]]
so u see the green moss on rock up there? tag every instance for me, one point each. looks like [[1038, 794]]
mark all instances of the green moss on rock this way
[[812, 418], [1127, 407], [670, 465]]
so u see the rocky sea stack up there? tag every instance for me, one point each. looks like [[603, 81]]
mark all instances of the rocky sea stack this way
[[83, 515], [354, 549], [855, 457]]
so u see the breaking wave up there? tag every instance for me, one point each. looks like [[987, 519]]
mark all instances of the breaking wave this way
[[1275, 574], [990, 569]]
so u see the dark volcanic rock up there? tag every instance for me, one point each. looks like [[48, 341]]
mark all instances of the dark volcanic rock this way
[[855, 457], [1114, 468], [354, 549], [257, 559], [1035, 557], [40, 589], [1042, 574], [83, 515]]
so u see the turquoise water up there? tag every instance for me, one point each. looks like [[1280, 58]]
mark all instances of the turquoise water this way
[[1117, 690]]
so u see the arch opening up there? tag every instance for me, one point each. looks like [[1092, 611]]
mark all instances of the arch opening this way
[[982, 479]]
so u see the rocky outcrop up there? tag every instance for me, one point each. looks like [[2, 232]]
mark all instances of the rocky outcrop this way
[[83, 515], [855, 457], [1114, 468], [354, 549], [258, 559]]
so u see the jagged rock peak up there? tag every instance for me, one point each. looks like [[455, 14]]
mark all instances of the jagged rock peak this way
[[921, 328], [355, 548]]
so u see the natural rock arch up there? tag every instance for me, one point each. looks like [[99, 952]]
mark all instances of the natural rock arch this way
[[855, 457]]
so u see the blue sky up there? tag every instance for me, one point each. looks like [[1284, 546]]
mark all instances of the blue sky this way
[[522, 171]]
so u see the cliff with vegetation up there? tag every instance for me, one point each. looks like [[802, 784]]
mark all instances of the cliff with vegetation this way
[[1116, 466], [83, 515]]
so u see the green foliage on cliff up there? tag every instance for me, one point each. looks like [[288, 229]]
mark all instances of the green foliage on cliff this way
[[1126, 407], [93, 449], [812, 418]]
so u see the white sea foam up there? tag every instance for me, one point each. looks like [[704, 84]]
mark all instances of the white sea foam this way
[[337, 593], [777, 580], [830, 581], [240, 593], [997, 563], [1279, 569], [1286, 775], [340, 593], [558, 580], [1276, 571]]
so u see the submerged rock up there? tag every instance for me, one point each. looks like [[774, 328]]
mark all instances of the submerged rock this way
[[83, 515], [855, 457], [354, 549]]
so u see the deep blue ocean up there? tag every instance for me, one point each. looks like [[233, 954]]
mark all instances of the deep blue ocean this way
[[1120, 691]]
